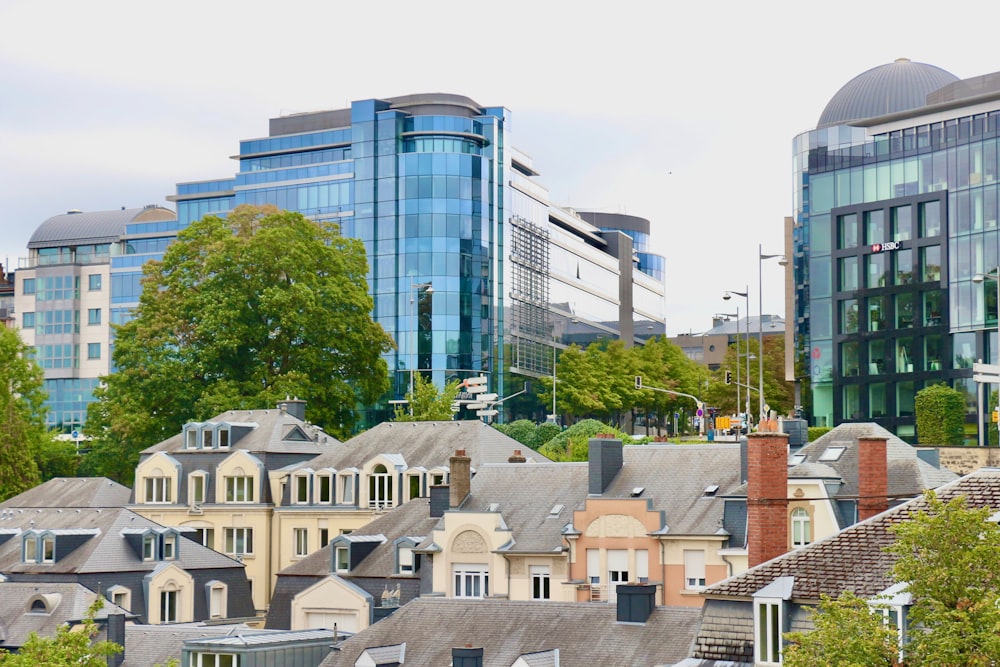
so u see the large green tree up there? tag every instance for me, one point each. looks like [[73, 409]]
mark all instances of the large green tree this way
[[241, 313], [847, 634], [22, 416]]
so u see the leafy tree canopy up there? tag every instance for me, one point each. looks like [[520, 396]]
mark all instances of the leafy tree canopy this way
[[571, 444], [847, 634], [242, 312], [22, 416], [428, 404]]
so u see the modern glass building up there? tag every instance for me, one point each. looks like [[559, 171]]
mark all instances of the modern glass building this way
[[472, 269], [62, 301], [894, 233]]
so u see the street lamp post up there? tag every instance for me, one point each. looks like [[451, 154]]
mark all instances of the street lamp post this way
[[427, 288], [760, 321], [746, 295], [738, 358]]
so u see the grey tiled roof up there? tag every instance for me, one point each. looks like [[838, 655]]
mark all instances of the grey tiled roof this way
[[853, 559], [69, 602], [427, 444], [674, 479], [585, 633], [107, 551], [525, 496], [271, 432], [72, 492], [147, 645]]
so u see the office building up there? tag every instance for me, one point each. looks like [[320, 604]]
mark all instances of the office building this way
[[472, 269], [896, 242], [62, 302]]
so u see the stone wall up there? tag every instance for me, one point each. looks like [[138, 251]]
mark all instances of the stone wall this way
[[963, 460]]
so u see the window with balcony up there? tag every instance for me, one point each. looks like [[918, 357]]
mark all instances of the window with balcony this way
[[379, 487]]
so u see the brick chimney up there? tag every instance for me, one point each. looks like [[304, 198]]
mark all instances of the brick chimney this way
[[517, 457], [873, 476], [767, 496], [461, 477]]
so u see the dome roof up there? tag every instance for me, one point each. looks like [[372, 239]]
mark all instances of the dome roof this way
[[76, 227], [898, 86]]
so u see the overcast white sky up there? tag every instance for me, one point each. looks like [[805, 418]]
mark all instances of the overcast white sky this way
[[679, 112]]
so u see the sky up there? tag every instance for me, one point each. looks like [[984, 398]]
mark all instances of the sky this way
[[679, 112]]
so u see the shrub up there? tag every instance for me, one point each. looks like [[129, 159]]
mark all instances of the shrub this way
[[940, 415], [816, 431], [571, 444]]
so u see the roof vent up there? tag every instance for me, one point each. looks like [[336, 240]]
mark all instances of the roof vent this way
[[637, 491], [73, 211], [711, 490]]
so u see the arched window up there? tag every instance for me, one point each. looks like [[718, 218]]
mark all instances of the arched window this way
[[379, 487], [801, 527]]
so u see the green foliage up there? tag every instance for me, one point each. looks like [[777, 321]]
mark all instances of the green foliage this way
[[950, 556], [241, 313], [815, 432], [940, 412], [22, 416], [522, 430], [571, 444], [847, 634], [544, 433], [69, 648], [428, 404], [57, 458]]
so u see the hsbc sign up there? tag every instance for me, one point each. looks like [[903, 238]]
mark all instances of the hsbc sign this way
[[888, 245]]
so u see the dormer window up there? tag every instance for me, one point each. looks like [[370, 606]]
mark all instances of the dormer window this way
[[191, 436], [346, 484], [224, 437], [405, 560], [196, 488], [158, 487], [342, 559], [769, 619], [48, 549], [30, 554], [380, 487], [324, 489], [300, 489], [207, 437], [169, 547], [149, 547]]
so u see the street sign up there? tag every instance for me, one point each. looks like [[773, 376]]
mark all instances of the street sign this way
[[475, 406], [486, 413], [990, 369], [487, 398], [987, 379]]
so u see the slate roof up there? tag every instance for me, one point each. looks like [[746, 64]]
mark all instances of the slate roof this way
[[525, 496], [147, 645], [68, 492], [585, 633], [427, 444], [70, 602], [853, 559], [105, 551], [273, 431], [70, 229], [674, 478]]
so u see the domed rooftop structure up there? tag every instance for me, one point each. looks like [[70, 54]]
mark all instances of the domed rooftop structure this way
[[898, 86], [76, 227]]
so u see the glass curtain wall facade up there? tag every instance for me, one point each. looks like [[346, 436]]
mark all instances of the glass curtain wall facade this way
[[471, 269], [894, 218]]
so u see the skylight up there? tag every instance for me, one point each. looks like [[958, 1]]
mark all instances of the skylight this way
[[832, 453], [796, 459], [556, 509], [711, 490]]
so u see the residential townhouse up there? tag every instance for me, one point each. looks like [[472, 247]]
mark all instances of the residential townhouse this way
[[777, 595], [213, 479]]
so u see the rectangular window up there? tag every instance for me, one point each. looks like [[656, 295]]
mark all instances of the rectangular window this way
[[239, 489], [27, 320], [168, 606], [93, 316], [767, 621], [930, 263], [324, 537], [207, 436], [325, 492], [94, 282], [190, 439], [215, 660], [93, 350], [301, 489], [205, 537], [149, 547], [197, 489], [347, 489], [471, 581], [28, 286], [120, 599], [694, 569], [343, 563], [30, 550], [158, 490], [539, 582], [216, 601], [405, 560], [239, 541], [301, 541], [169, 547], [223, 438]]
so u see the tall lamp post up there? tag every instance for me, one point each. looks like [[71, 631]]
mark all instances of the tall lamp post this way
[[979, 278], [760, 321], [426, 288], [729, 294], [737, 316]]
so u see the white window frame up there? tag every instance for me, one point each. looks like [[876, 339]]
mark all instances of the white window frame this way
[[471, 580], [159, 489], [301, 541], [324, 495], [200, 659], [191, 438], [405, 559], [342, 559], [149, 547], [120, 596], [240, 489], [169, 603], [197, 487], [541, 582], [217, 600], [300, 489], [346, 489], [694, 569], [381, 487], [234, 537], [801, 528], [29, 549], [169, 547], [206, 536], [48, 549], [222, 439], [768, 625]]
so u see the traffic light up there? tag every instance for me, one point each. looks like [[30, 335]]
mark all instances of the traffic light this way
[[638, 382], [729, 377]]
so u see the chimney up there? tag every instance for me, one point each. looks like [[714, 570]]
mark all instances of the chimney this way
[[116, 634], [767, 496], [293, 406], [467, 657], [461, 477], [604, 454], [440, 497], [517, 457], [635, 602], [873, 476]]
